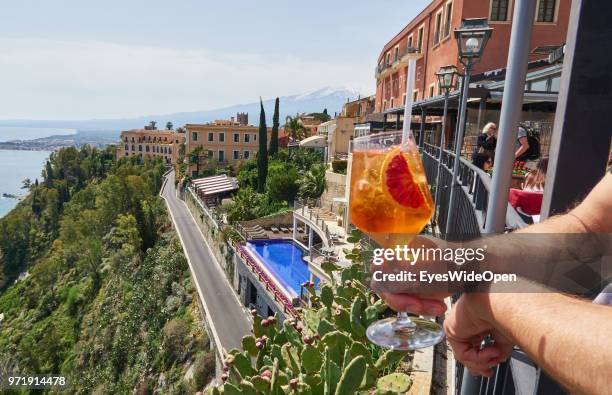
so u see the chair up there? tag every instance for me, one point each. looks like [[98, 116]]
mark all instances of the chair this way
[[530, 203], [274, 229], [284, 230]]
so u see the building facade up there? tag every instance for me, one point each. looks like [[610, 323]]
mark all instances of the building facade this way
[[223, 142], [431, 32], [149, 142], [340, 129]]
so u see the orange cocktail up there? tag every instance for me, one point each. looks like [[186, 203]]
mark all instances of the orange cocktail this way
[[390, 199]]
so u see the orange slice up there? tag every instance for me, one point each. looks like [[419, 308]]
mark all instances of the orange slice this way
[[398, 182]]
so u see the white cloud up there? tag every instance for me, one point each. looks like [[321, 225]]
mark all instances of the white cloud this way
[[45, 79]]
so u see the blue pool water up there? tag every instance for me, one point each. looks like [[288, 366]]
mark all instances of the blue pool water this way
[[284, 259]]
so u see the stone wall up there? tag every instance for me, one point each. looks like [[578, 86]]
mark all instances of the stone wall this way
[[336, 187]]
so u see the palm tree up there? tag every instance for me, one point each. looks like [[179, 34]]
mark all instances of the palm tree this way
[[196, 156], [295, 128], [312, 184]]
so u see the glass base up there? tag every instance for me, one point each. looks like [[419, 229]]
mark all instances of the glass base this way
[[412, 335]]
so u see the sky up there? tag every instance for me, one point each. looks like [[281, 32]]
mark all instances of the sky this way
[[67, 59]]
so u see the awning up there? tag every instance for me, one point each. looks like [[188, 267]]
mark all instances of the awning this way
[[214, 185], [314, 142]]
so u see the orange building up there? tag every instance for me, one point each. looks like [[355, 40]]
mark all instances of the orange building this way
[[432, 33], [149, 142], [223, 142]]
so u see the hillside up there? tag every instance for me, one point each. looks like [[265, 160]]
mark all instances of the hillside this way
[[78, 258]]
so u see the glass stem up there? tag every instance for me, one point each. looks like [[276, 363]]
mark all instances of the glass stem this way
[[403, 322]]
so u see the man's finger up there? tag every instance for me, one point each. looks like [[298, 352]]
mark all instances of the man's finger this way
[[414, 304]]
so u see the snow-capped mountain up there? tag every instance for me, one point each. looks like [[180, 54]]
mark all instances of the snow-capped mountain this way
[[330, 98]]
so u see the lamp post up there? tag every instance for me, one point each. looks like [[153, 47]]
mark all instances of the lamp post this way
[[472, 37], [447, 80]]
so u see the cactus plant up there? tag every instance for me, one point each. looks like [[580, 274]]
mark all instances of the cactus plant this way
[[395, 383], [352, 376]]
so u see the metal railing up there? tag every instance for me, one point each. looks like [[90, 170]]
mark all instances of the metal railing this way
[[304, 208], [385, 65], [470, 215], [519, 374]]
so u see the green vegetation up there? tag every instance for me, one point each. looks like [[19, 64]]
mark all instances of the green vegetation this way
[[107, 300], [262, 152], [339, 166], [295, 129], [326, 351], [321, 116], [273, 150], [291, 174]]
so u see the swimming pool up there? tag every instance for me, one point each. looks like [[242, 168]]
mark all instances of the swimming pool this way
[[283, 258]]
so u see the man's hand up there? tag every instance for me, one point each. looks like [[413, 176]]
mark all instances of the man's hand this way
[[466, 327]]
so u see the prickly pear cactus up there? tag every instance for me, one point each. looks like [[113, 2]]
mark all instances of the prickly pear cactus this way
[[393, 383]]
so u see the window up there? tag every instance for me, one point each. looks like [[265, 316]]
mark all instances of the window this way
[[194, 136], [236, 138], [415, 95], [210, 154], [221, 137], [546, 10], [420, 39], [391, 105], [388, 58], [431, 90], [170, 151], [147, 149], [236, 154], [396, 54], [254, 136], [247, 137], [133, 147], [436, 37], [221, 156], [246, 154], [211, 136], [499, 10], [448, 20], [140, 148], [358, 110], [126, 147], [409, 41]]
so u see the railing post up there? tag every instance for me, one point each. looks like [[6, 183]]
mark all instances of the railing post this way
[[512, 106]]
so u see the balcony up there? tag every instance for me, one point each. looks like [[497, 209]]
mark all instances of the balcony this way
[[402, 59]]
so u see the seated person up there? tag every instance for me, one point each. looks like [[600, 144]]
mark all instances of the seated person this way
[[534, 180], [482, 161]]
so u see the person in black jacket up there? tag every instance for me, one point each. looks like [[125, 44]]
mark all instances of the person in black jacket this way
[[486, 142]]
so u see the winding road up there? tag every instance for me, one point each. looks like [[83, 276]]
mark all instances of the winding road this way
[[227, 319]]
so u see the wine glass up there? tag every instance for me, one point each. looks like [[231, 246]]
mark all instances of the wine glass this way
[[391, 202]]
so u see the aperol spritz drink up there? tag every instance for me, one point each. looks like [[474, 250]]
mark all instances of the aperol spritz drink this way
[[391, 202]]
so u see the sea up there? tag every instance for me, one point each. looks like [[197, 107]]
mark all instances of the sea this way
[[16, 166]]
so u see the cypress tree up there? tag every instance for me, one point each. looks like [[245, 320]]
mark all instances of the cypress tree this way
[[274, 138], [262, 154]]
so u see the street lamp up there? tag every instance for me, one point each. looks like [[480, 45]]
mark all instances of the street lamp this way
[[447, 81], [472, 37]]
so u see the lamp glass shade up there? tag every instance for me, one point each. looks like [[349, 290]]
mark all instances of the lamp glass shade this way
[[446, 77], [472, 37]]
